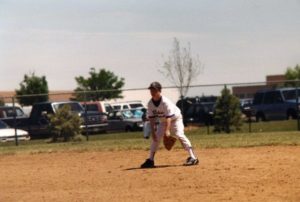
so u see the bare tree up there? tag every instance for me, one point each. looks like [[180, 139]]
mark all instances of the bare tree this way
[[181, 68]]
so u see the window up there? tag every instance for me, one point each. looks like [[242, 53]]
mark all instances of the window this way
[[136, 105], [108, 108], [258, 98], [19, 112], [91, 107], [277, 97], [10, 112], [190, 111], [272, 97], [3, 125], [75, 107], [117, 107], [127, 114], [290, 94]]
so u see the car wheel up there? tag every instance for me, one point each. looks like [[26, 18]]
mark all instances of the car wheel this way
[[260, 117], [291, 114], [128, 129]]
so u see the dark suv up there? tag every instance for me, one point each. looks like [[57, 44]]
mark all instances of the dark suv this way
[[277, 104], [199, 113]]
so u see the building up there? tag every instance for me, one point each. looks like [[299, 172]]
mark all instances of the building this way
[[7, 96], [244, 92], [128, 95]]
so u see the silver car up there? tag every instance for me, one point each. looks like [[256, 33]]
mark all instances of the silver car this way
[[124, 120]]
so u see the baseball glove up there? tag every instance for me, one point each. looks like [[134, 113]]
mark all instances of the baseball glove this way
[[169, 142]]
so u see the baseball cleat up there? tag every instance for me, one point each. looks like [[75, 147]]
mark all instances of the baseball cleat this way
[[148, 164], [191, 161]]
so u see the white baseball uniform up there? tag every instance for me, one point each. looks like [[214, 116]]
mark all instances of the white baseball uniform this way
[[161, 110]]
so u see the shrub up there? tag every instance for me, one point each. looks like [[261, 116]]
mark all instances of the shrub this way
[[65, 125], [227, 114]]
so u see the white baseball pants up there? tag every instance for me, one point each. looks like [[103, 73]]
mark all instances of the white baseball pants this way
[[177, 129]]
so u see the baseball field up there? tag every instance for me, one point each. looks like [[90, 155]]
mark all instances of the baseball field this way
[[68, 172]]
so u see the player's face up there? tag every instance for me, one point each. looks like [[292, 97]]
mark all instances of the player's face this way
[[154, 93]]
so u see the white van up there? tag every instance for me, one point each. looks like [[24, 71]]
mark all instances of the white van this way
[[127, 105]]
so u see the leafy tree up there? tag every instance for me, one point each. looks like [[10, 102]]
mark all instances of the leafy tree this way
[[105, 84], [227, 113], [65, 124], [32, 85], [292, 74], [181, 68]]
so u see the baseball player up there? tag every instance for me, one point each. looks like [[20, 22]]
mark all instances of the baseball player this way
[[170, 121]]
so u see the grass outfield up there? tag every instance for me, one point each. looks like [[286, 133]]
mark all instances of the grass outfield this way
[[135, 141]]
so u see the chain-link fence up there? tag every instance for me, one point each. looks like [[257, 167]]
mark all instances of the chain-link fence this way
[[266, 106]]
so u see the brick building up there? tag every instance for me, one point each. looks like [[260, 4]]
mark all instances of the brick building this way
[[65, 95], [249, 91], [61, 95]]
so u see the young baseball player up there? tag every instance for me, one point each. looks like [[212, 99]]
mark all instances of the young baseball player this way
[[170, 121]]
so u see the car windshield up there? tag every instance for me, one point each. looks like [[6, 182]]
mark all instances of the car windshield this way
[[127, 114], [91, 107], [3, 125], [75, 107], [137, 113], [290, 94]]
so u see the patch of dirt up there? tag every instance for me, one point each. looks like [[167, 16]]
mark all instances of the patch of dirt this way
[[238, 174]]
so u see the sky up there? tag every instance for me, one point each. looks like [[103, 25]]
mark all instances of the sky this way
[[235, 40]]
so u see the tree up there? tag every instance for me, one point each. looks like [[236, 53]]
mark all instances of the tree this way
[[105, 84], [292, 74], [32, 85], [181, 68], [65, 124], [227, 113]]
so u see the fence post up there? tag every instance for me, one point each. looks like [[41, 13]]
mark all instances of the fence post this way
[[15, 121], [250, 122], [86, 118], [207, 127]]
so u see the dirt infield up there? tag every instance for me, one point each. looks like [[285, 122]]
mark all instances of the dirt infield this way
[[239, 174]]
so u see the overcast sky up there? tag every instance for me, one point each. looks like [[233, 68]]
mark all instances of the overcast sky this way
[[237, 40]]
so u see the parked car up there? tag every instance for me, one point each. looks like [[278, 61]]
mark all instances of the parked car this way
[[37, 124], [97, 106], [245, 106], [276, 104], [13, 116], [124, 120], [186, 102], [8, 134], [127, 105], [199, 113]]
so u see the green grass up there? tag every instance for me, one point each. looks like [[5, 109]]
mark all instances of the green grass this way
[[266, 133], [268, 126], [271, 126]]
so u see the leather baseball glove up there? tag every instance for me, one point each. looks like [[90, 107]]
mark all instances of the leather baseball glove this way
[[169, 142]]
